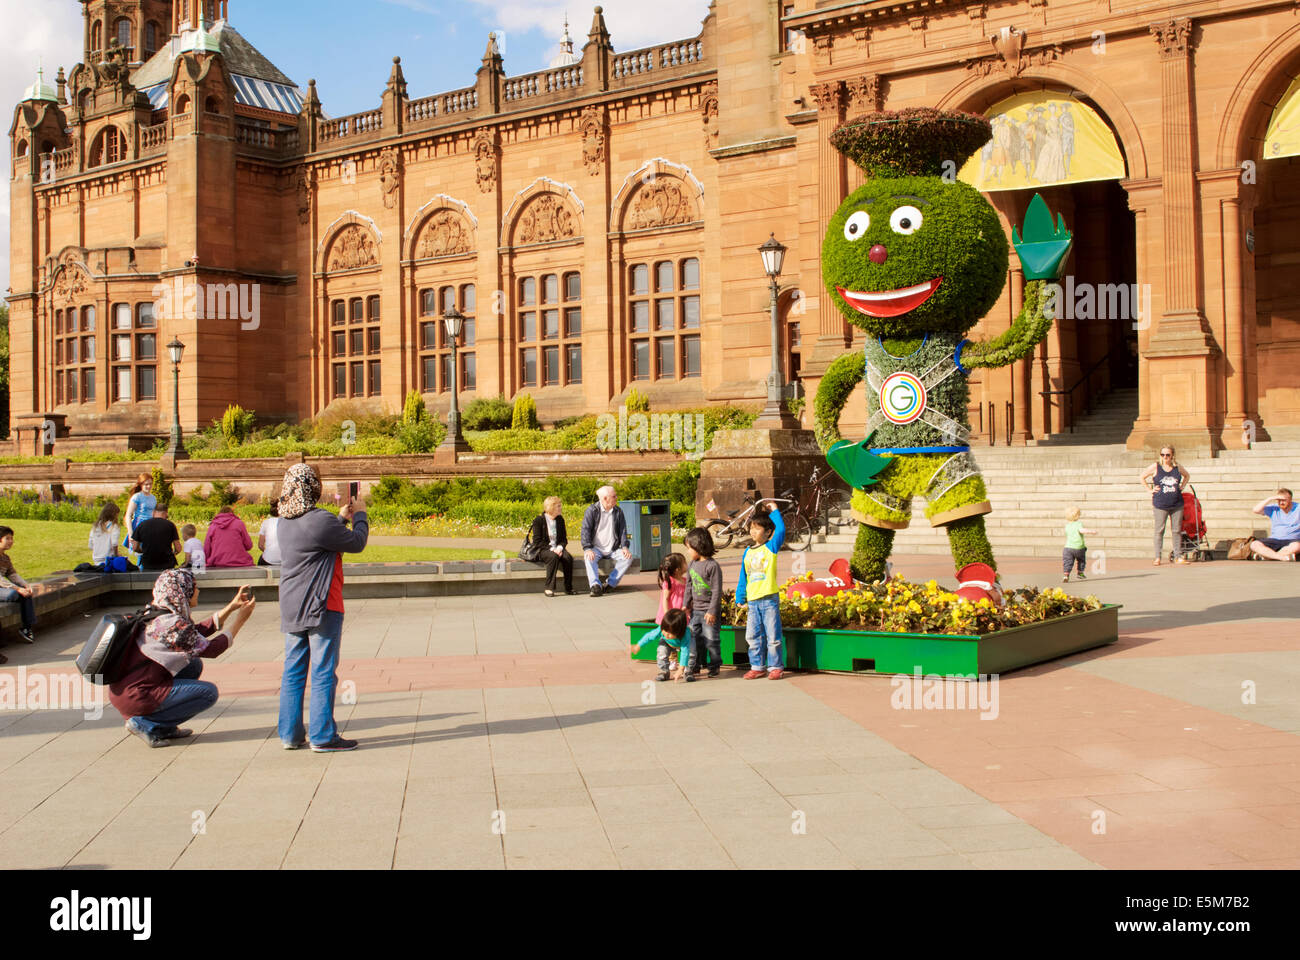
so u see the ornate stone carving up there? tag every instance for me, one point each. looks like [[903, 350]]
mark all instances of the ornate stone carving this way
[[547, 217], [303, 188], [445, 234], [1174, 37], [390, 175], [1011, 58], [1008, 44], [827, 96], [709, 110], [592, 127], [485, 160], [660, 202], [865, 94], [352, 248], [822, 45], [71, 283]]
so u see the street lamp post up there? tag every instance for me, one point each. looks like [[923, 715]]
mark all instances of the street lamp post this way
[[176, 448], [776, 414], [453, 323]]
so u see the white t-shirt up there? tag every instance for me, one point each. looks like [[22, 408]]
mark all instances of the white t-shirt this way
[[272, 552], [604, 539], [103, 541], [193, 547]]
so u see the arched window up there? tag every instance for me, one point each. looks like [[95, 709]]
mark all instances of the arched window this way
[[354, 347], [435, 350], [97, 37], [122, 29], [150, 39], [183, 103], [22, 149], [109, 147], [212, 105], [663, 310]]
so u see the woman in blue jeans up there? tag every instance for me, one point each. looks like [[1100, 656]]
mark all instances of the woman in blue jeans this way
[[312, 544], [158, 686]]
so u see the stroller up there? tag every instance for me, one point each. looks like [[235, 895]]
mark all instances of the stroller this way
[[1193, 543]]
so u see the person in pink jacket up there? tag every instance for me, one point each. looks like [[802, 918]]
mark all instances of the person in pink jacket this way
[[227, 541]]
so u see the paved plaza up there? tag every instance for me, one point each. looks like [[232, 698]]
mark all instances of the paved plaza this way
[[514, 732]]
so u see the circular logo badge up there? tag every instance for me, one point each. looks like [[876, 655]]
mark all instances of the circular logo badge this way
[[902, 398]]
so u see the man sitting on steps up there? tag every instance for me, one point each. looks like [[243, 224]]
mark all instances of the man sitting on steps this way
[[1283, 541]]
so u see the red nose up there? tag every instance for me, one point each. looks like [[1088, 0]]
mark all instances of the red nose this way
[[878, 254]]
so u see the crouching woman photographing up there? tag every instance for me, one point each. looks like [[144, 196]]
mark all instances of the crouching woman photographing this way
[[158, 686]]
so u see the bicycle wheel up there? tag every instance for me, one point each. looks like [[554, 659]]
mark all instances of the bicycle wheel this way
[[798, 533], [721, 533]]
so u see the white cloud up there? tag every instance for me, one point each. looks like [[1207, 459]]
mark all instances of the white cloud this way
[[50, 32], [631, 23]]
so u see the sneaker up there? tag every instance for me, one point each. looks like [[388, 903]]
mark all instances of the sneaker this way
[[664, 676], [596, 590], [337, 745], [293, 746], [606, 588], [570, 592], [715, 670], [690, 677], [776, 674], [177, 733], [549, 593], [149, 738], [1066, 578], [1082, 576], [26, 635], [754, 674]]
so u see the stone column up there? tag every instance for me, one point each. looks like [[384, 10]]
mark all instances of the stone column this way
[[1020, 373], [831, 333], [1181, 353]]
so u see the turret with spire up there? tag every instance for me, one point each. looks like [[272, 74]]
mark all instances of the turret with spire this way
[[566, 56]]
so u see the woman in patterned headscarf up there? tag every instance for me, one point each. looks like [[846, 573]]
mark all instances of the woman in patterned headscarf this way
[[312, 544], [158, 686]]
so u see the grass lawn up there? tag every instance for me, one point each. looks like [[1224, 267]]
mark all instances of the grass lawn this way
[[42, 547]]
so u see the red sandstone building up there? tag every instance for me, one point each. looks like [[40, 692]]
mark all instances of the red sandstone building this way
[[598, 220]]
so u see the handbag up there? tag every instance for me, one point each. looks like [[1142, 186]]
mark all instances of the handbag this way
[[528, 550], [1239, 549]]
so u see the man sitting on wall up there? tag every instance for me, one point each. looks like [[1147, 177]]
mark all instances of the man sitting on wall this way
[[157, 541], [604, 534], [1283, 541]]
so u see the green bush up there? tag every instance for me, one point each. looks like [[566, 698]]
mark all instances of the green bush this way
[[236, 424], [511, 513], [524, 416], [414, 410], [488, 413], [162, 487], [637, 402], [420, 436]]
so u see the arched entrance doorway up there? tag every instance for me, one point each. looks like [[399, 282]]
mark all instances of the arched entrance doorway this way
[[1058, 143]]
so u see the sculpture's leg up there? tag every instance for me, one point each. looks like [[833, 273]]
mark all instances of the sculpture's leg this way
[[871, 553], [969, 543]]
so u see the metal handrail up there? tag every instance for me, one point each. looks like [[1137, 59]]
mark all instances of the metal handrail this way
[[1068, 393]]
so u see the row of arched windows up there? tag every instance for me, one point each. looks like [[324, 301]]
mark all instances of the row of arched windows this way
[[123, 32]]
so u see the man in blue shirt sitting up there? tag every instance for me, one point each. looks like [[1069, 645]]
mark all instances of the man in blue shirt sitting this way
[[1283, 541]]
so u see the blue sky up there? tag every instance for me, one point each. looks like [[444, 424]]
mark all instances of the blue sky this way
[[348, 46]]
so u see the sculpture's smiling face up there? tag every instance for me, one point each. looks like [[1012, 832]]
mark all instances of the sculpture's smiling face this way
[[908, 256]]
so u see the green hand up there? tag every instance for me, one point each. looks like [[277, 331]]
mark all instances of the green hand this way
[[1044, 245], [855, 462]]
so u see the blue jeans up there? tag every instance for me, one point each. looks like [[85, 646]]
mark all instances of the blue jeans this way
[[621, 565], [708, 640], [189, 697], [764, 623], [28, 607], [320, 646]]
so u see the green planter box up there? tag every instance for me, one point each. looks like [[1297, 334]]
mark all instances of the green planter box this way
[[864, 651]]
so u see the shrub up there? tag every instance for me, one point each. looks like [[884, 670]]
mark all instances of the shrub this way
[[487, 413], [510, 513], [421, 436], [162, 487], [637, 402], [236, 424], [524, 416], [414, 410]]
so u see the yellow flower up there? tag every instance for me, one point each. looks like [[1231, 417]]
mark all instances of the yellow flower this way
[[914, 607], [804, 606]]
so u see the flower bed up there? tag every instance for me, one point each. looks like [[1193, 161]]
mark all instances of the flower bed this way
[[896, 627]]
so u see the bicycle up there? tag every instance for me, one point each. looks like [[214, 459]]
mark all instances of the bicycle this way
[[798, 531], [823, 498]]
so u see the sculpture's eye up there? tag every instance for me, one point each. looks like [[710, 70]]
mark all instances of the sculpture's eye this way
[[906, 220], [856, 226]]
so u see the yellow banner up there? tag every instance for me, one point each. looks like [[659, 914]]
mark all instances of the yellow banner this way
[[1283, 137], [1041, 139]]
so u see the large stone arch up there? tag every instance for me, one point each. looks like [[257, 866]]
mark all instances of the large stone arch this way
[[351, 242], [1251, 104], [976, 94], [544, 211], [447, 215], [658, 193]]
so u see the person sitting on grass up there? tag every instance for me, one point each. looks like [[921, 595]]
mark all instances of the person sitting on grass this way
[[674, 638], [157, 541], [758, 587], [192, 547], [267, 541], [158, 686], [1283, 540], [103, 536], [14, 588], [227, 543]]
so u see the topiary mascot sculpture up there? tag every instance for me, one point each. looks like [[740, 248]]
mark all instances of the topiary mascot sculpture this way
[[916, 258]]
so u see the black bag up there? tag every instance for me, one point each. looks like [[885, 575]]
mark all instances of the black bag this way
[[99, 658], [530, 551]]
